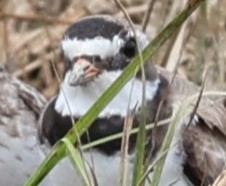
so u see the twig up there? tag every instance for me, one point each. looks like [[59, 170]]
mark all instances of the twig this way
[[34, 65], [148, 14], [154, 163], [154, 131], [199, 98], [35, 17], [133, 10], [6, 40], [128, 123], [28, 39], [167, 59], [221, 179], [125, 13], [177, 46], [140, 144]]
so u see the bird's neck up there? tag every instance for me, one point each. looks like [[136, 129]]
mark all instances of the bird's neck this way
[[77, 100]]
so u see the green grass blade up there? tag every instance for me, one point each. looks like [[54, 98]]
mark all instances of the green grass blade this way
[[166, 145], [119, 135], [77, 161], [180, 113], [140, 148]]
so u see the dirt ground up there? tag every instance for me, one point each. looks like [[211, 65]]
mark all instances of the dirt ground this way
[[31, 30]]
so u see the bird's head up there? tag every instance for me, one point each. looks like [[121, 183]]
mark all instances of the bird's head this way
[[99, 44]]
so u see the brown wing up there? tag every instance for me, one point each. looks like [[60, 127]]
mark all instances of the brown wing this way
[[204, 141]]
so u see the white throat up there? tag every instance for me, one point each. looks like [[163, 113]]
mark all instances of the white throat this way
[[81, 98]]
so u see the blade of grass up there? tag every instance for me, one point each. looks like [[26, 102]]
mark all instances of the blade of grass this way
[[147, 14], [140, 144], [77, 161], [119, 135], [170, 132], [167, 142], [58, 151], [178, 114], [125, 146], [159, 162], [140, 147]]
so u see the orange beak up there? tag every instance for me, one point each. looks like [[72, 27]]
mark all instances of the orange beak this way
[[82, 73]]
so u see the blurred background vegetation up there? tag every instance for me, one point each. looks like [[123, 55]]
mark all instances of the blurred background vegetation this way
[[31, 30]]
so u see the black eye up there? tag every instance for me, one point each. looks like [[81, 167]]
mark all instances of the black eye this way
[[130, 48]]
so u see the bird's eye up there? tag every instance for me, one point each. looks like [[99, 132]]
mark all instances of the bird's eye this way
[[130, 48]]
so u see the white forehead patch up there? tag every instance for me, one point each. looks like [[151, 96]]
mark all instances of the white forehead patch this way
[[81, 98], [99, 46]]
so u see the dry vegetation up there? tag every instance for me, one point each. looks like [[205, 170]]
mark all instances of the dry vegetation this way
[[31, 31]]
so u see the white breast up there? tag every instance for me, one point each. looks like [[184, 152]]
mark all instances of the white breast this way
[[81, 98], [107, 170]]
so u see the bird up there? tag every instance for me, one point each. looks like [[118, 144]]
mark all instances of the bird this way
[[96, 50], [20, 107]]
